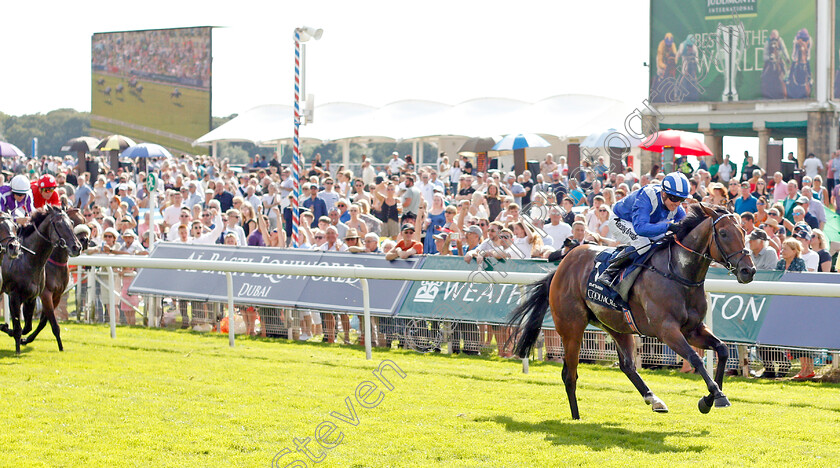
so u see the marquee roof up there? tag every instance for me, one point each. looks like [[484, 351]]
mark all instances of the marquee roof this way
[[562, 116]]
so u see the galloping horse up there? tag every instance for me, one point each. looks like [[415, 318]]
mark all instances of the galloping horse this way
[[667, 300], [56, 278], [23, 277]]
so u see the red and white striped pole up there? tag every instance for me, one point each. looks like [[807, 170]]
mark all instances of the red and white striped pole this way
[[296, 156]]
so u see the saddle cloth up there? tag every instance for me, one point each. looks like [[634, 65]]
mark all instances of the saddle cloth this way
[[616, 298]]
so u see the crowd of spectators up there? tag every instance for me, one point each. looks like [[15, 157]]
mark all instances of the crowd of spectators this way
[[176, 53], [400, 209]]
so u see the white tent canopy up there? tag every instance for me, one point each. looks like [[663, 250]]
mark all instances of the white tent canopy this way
[[560, 116]]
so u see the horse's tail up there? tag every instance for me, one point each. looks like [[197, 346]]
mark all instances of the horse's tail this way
[[528, 316]]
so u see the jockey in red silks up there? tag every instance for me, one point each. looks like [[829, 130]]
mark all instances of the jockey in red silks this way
[[43, 192]]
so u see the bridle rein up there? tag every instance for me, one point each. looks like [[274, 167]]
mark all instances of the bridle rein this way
[[726, 262]]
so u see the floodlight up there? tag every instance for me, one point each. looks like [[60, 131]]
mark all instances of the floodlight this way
[[307, 32]]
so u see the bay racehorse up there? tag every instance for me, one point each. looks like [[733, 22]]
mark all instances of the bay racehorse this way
[[56, 279], [23, 277], [668, 302]]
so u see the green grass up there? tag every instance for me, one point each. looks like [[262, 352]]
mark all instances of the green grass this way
[[188, 115], [167, 398]]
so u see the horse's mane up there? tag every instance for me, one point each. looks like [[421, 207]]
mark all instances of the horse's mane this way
[[38, 216], [694, 216]]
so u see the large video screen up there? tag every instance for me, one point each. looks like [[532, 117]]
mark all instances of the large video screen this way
[[153, 85], [732, 50]]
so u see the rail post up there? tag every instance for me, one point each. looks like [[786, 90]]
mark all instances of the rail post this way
[[366, 305], [112, 306], [231, 321]]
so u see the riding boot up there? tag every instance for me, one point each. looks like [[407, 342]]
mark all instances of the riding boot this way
[[626, 257]]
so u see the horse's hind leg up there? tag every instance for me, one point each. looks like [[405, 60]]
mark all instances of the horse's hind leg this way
[[572, 335], [626, 346], [570, 365], [673, 337]]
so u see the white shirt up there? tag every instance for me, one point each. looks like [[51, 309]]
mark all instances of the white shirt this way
[[812, 260], [395, 165], [812, 167], [330, 198], [558, 233], [520, 248], [725, 172], [172, 214]]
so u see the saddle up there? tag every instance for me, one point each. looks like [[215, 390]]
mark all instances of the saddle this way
[[617, 298]]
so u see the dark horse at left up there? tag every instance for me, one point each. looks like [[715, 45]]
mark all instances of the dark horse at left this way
[[668, 302], [56, 279], [23, 277]]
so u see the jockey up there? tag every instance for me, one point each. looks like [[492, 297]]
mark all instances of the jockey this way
[[16, 195], [43, 192], [642, 216]]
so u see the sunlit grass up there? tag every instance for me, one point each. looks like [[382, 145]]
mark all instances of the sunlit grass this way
[[166, 398]]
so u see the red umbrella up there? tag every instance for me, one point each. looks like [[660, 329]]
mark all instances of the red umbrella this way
[[684, 143]]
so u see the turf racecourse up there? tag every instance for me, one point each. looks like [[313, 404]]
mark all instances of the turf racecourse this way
[[166, 398]]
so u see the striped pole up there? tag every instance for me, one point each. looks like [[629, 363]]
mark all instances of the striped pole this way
[[296, 156]]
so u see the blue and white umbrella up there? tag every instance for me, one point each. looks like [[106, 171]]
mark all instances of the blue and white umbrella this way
[[611, 137], [146, 150], [516, 141]]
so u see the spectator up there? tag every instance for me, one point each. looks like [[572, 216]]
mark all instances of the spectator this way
[[819, 244], [328, 195], [525, 241], [779, 187], [389, 212], [232, 227], [791, 260], [224, 197], [764, 257], [748, 223], [813, 207], [314, 203], [331, 241], [802, 233], [407, 246], [746, 203], [372, 243], [812, 165], [351, 240], [547, 166], [761, 210]]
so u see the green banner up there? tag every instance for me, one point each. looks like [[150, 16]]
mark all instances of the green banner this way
[[732, 50], [735, 317], [486, 303], [738, 317]]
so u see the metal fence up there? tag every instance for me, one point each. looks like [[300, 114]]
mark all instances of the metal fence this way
[[91, 287]]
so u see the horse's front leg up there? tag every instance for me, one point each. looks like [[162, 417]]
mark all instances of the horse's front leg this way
[[671, 335], [28, 313], [703, 338]]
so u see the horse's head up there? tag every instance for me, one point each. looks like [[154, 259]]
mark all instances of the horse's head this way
[[61, 231], [9, 242], [728, 245]]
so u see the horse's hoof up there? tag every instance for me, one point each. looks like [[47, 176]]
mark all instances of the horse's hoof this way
[[4, 328], [22, 341], [722, 402], [656, 404], [705, 404]]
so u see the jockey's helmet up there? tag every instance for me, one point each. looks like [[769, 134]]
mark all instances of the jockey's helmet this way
[[47, 181], [676, 184], [20, 184]]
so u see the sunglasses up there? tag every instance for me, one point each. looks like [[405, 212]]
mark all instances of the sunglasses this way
[[319, 237], [602, 211], [88, 215], [100, 218], [409, 231], [205, 215], [109, 236], [505, 237], [483, 224]]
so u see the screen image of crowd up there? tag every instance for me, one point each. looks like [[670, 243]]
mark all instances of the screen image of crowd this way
[[401, 209], [182, 55]]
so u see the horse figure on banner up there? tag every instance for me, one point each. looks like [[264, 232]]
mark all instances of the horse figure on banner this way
[[667, 301], [23, 277]]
